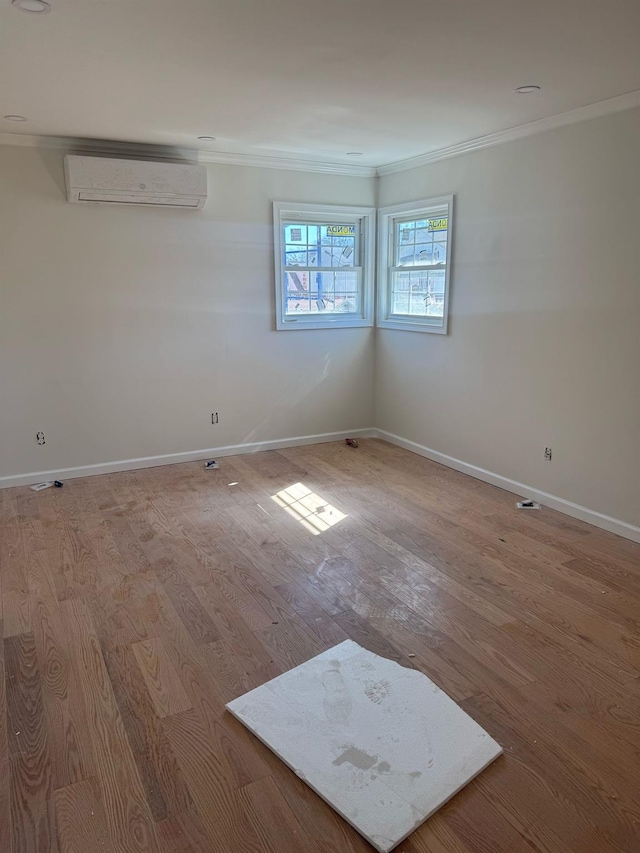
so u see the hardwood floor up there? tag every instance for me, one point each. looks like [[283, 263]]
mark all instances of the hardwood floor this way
[[135, 605]]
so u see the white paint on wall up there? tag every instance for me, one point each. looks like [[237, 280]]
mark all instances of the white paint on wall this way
[[122, 329], [544, 342]]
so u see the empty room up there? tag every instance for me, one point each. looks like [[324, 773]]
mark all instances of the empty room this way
[[319, 426]]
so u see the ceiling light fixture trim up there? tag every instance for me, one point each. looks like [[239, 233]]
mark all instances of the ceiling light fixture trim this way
[[33, 7], [529, 89]]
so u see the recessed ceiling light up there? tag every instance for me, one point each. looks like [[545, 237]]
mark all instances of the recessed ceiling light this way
[[354, 153], [36, 7], [207, 138], [15, 118], [527, 90]]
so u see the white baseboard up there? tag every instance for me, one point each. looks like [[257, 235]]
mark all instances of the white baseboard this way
[[606, 522], [598, 519], [173, 458]]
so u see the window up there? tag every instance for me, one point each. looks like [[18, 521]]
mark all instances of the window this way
[[414, 257], [324, 265]]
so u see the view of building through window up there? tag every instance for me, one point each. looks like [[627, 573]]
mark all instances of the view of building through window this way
[[321, 264], [420, 255]]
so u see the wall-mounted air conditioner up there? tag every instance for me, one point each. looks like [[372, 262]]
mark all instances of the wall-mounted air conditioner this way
[[103, 180]]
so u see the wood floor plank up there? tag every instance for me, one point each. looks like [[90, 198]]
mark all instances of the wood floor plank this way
[[317, 818], [163, 683], [282, 831], [190, 662], [30, 777], [183, 833], [80, 819], [135, 605], [5, 767], [317, 619], [226, 670], [16, 602], [194, 617], [127, 812], [609, 824], [164, 785], [71, 754], [209, 781]]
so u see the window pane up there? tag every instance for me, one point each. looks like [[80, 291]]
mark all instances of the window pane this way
[[419, 294], [434, 299], [421, 241], [297, 292], [330, 245], [405, 234], [423, 235], [312, 292], [439, 225], [294, 256], [295, 233], [424, 253], [338, 245], [439, 253], [406, 256]]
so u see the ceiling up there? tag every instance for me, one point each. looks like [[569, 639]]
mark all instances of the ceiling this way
[[310, 79]]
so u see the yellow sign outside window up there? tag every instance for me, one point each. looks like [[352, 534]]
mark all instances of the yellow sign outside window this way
[[341, 230], [439, 224]]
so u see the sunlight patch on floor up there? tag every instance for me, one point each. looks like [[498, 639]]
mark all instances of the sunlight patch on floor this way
[[314, 513]]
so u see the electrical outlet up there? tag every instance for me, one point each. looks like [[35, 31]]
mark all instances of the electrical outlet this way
[[40, 438], [214, 417], [547, 454]]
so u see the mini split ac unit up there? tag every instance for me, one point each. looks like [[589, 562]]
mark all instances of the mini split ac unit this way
[[103, 180]]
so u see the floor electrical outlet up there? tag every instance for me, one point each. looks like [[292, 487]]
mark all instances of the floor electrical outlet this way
[[528, 505]]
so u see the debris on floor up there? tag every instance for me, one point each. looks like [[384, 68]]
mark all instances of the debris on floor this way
[[527, 505], [351, 442], [58, 484], [211, 464], [38, 487], [379, 742]]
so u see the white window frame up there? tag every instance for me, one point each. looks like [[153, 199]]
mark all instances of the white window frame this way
[[387, 217], [365, 220]]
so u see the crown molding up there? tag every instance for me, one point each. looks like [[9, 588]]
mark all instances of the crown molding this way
[[590, 111], [166, 152], [287, 163], [598, 109]]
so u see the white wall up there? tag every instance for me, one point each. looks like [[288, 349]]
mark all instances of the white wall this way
[[122, 329], [544, 343]]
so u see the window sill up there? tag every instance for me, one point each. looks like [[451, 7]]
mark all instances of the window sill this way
[[413, 326], [347, 323]]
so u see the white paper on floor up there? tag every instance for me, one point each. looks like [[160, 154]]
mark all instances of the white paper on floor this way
[[382, 744]]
